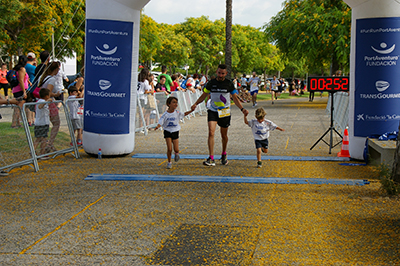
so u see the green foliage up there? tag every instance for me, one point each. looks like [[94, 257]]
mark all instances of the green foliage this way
[[28, 25], [317, 30], [388, 185], [207, 39]]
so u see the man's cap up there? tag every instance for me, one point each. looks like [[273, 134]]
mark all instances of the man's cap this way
[[31, 55]]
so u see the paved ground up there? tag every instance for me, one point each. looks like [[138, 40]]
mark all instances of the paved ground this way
[[55, 217]]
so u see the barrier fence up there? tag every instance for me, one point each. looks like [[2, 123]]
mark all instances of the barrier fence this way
[[151, 107], [340, 110], [19, 146]]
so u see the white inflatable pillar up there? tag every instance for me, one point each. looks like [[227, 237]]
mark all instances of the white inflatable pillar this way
[[111, 63], [374, 71]]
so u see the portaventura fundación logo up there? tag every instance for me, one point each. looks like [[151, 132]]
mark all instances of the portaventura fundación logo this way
[[383, 59], [107, 59]]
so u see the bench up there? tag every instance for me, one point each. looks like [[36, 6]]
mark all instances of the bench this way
[[381, 151]]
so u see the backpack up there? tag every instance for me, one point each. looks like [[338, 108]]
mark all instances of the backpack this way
[[12, 78], [183, 85]]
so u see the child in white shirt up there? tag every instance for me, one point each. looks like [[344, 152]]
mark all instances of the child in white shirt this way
[[42, 120], [76, 119], [260, 128], [170, 122]]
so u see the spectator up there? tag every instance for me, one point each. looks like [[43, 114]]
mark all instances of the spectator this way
[[168, 80], [48, 81], [30, 69], [45, 59], [20, 89], [76, 119], [3, 80], [175, 84], [59, 85], [161, 87], [42, 120]]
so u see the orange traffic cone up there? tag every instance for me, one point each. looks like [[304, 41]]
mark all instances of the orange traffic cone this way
[[344, 152]]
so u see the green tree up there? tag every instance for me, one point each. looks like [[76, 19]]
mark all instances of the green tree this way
[[228, 37], [149, 40], [317, 30], [207, 39], [244, 49], [174, 49], [29, 24]]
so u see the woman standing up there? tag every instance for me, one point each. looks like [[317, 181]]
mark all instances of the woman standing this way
[[48, 80], [20, 89], [3, 80]]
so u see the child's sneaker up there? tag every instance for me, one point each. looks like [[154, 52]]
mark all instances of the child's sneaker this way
[[209, 162], [177, 157], [169, 165], [79, 142], [259, 164], [224, 160]]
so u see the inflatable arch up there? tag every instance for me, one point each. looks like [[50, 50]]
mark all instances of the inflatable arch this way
[[374, 71], [111, 63]]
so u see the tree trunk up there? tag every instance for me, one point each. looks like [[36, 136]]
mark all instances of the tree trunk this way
[[396, 163], [228, 36]]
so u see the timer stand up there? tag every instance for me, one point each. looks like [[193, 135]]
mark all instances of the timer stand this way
[[330, 130]]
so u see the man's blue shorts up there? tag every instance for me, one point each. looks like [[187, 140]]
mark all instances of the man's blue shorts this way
[[253, 92]]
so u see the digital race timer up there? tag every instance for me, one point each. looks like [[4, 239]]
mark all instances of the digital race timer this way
[[330, 84]]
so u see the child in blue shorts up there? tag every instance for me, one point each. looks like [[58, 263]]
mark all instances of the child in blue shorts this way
[[261, 128], [170, 123]]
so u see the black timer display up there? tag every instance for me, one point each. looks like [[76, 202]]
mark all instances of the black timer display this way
[[330, 84]]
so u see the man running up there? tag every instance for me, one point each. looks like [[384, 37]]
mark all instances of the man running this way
[[220, 90], [254, 82]]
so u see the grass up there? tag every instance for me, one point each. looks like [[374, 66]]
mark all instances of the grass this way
[[13, 139], [388, 185], [267, 96]]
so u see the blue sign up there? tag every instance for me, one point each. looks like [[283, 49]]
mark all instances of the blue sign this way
[[377, 76], [108, 65]]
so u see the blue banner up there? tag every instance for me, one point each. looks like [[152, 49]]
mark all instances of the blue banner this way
[[108, 65], [377, 76]]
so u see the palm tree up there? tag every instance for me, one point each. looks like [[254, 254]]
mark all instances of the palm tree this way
[[228, 36]]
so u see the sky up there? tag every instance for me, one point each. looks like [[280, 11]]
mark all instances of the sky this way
[[245, 12]]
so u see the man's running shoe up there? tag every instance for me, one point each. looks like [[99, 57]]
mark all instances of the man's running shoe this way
[[224, 160], [209, 162], [177, 157], [255, 104], [169, 165], [259, 164]]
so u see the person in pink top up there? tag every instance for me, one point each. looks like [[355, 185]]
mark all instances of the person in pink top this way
[[3, 80], [20, 89]]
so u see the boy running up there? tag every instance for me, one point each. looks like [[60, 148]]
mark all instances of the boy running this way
[[170, 123], [261, 128]]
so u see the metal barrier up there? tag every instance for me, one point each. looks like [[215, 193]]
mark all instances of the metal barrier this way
[[18, 145], [151, 107], [15, 142], [341, 110]]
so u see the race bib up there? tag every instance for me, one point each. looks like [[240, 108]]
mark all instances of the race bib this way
[[224, 112]]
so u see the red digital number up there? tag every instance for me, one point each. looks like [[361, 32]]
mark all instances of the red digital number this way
[[328, 84], [336, 81], [321, 88], [313, 84]]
